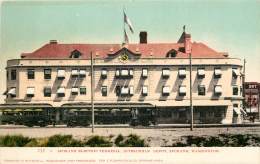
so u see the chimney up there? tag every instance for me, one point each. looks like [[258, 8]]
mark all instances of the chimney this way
[[187, 43], [143, 37], [53, 42]]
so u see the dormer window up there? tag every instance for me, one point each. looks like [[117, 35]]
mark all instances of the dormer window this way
[[171, 54], [75, 54]]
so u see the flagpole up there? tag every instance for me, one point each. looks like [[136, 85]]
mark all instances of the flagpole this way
[[92, 92], [124, 26]]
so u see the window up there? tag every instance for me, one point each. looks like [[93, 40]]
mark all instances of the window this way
[[47, 73], [104, 90], [124, 73], [61, 74], [166, 90], [144, 73], [182, 90], [30, 73], [124, 90], [235, 90], [104, 73], [61, 92], [74, 90], [201, 90], [182, 73], [217, 73], [75, 54], [118, 90], [82, 90], [74, 73], [218, 90], [145, 91], [171, 54], [30, 92], [201, 73], [13, 74], [165, 73], [82, 73], [47, 91], [235, 73]]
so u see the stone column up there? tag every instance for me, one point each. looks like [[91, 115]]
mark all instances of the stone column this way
[[228, 118]]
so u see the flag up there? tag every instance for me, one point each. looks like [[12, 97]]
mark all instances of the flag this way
[[128, 22], [126, 37]]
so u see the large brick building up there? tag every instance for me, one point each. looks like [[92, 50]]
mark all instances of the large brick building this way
[[142, 76], [252, 94]]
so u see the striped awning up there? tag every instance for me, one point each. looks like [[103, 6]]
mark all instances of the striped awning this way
[[237, 110], [28, 110], [18, 110]]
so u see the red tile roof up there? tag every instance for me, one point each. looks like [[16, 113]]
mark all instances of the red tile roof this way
[[157, 50]]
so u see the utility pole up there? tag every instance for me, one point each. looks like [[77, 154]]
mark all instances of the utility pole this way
[[92, 92], [244, 85], [191, 106]]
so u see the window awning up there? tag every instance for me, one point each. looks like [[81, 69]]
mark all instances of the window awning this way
[[12, 91], [166, 72], [145, 90], [38, 110], [201, 72], [217, 72], [75, 90], [182, 89], [166, 89], [182, 72], [145, 73], [61, 73], [30, 91], [61, 90], [218, 89], [82, 72], [104, 72], [74, 72], [124, 72], [235, 72], [242, 110], [237, 110], [6, 92], [124, 90]]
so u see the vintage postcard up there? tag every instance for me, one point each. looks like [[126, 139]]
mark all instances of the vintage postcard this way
[[130, 81]]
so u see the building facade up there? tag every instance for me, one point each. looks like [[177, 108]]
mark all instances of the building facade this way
[[252, 94], [57, 78]]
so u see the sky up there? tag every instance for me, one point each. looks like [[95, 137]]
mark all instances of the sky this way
[[231, 26]]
